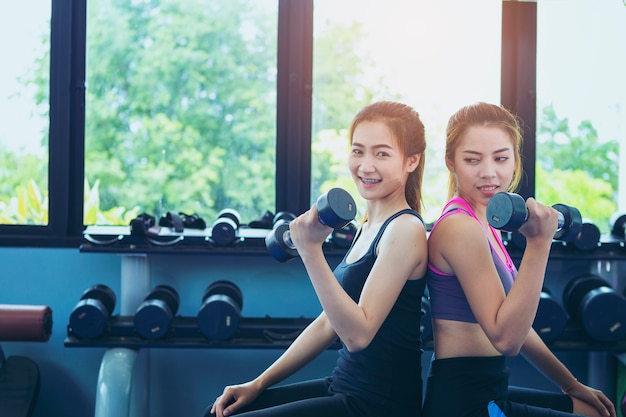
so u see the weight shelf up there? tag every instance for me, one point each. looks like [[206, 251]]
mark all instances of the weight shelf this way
[[276, 333], [252, 333]]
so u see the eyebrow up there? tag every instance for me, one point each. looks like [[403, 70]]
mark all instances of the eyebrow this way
[[381, 146], [469, 151]]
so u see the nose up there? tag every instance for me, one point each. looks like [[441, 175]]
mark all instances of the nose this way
[[367, 164], [488, 169]]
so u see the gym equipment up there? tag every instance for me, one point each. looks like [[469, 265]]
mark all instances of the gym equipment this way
[[600, 310], [589, 237], [224, 230], [220, 312], [152, 318], [335, 209], [283, 216], [144, 225], [343, 236], [20, 378], [507, 211], [617, 223], [551, 318], [88, 319]]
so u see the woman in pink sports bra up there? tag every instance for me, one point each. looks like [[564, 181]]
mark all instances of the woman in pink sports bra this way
[[483, 307]]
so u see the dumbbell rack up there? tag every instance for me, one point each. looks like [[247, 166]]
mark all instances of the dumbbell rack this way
[[123, 378]]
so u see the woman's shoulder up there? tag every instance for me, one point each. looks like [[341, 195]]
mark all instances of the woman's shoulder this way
[[458, 223]]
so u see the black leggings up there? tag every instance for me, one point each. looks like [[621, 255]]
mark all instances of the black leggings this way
[[463, 387], [304, 399]]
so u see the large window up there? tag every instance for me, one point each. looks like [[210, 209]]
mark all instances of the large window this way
[[24, 75], [200, 105], [581, 106], [433, 55], [180, 108]]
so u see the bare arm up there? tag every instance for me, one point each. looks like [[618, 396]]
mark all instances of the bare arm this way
[[463, 250], [586, 399], [357, 323], [313, 340]]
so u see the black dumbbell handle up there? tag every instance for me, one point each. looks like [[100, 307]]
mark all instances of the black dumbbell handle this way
[[322, 206], [561, 221]]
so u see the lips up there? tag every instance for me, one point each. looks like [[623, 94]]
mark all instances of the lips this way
[[369, 181], [488, 188]]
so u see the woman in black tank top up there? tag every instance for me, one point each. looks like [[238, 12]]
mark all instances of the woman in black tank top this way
[[371, 301]]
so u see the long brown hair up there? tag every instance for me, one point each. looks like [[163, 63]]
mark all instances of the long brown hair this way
[[408, 130], [486, 115]]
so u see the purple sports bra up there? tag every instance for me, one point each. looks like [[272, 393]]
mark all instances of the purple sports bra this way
[[447, 300]]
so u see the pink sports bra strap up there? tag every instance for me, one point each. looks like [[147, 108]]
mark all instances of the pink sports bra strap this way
[[468, 209]]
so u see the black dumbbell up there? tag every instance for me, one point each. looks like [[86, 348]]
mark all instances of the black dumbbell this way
[[589, 237], [88, 319], [224, 230], [551, 317], [617, 223], [507, 211], [343, 236], [335, 209], [598, 308], [220, 312], [286, 216], [152, 318]]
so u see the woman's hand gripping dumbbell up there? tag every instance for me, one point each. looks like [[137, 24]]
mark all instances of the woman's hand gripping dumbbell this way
[[507, 211], [335, 209]]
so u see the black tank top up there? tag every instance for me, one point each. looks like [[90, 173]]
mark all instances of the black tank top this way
[[388, 373]]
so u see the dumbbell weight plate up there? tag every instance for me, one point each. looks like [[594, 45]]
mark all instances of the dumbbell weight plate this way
[[599, 309], [220, 313], [336, 208], [588, 238], [152, 319], [551, 318], [88, 320], [104, 294], [343, 236], [277, 242], [224, 230], [572, 224], [618, 225], [506, 211], [283, 216], [605, 315]]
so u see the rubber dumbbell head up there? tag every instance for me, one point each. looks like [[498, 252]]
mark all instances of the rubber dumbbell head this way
[[617, 223], [551, 317], [220, 312], [285, 216], [224, 230], [507, 211], [588, 239], [600, 310], [335, 208], [88, 319], [343, 236], [152, 318]]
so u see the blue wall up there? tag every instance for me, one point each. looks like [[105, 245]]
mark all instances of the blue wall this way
[[182, 381]]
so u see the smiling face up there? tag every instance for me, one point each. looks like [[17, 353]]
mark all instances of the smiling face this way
[[378, 166], [483, 163]]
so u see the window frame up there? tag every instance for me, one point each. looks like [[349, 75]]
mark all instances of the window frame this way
[[294, 106]]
